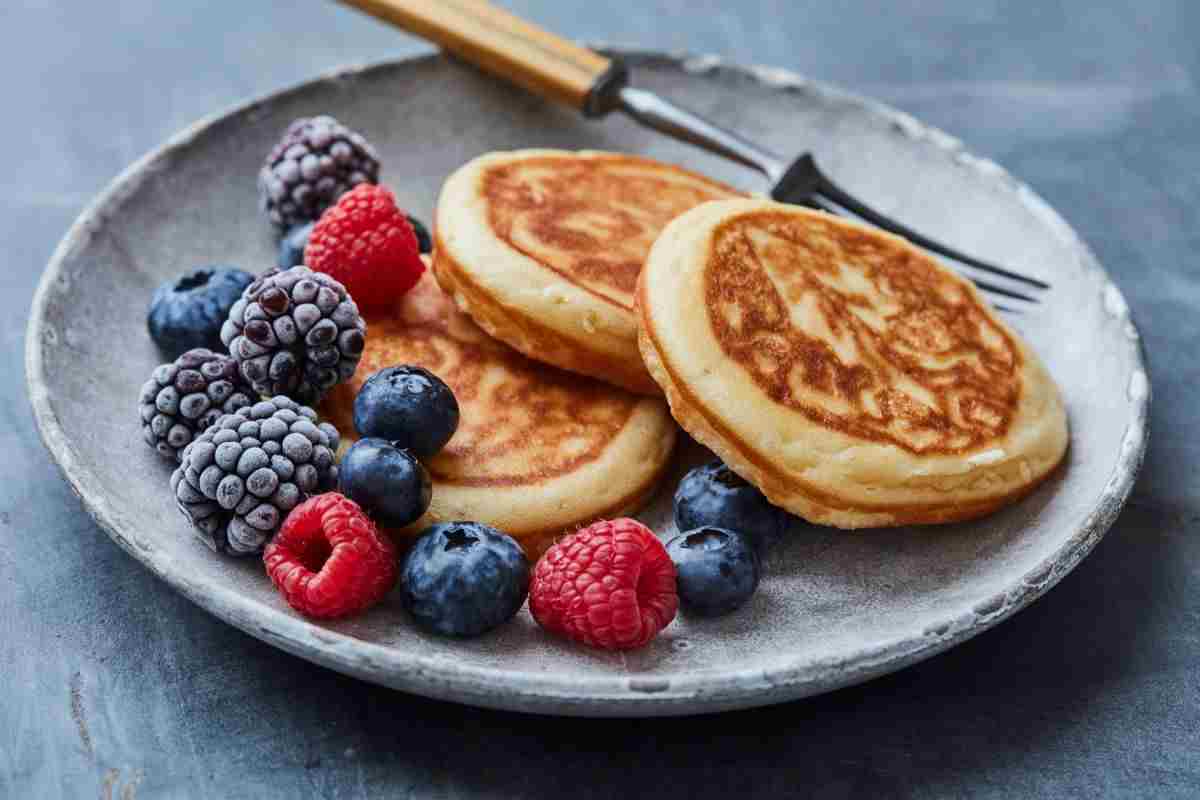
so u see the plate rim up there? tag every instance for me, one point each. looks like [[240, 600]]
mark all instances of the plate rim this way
[[619, 694]]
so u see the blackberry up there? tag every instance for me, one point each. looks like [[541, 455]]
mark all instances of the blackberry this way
[[239, 479], [295, 332], [316, 162], [188, 312], [181, 399]]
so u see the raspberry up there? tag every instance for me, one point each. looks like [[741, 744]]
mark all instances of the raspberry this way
[[367, 244], [329, 560], [610, 585]]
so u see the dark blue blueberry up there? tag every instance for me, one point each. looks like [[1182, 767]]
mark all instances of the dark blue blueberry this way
[[389, 483], [409, 406], [188, 312], [424, 240], [464, 578], [714, 495], [716, 570], [291, 246]]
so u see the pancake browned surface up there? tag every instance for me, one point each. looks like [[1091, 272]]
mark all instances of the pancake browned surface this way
[[543, 248], [538, 450], [850, 376]]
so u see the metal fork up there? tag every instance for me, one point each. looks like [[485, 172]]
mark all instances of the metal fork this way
[[563, 71], [800, 182]]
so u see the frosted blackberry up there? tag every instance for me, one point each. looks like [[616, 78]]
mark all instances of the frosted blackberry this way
[[239, 479], [316, 162], [182, 398], [295, 332]]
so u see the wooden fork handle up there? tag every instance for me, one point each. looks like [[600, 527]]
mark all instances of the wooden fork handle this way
[[508, 47]]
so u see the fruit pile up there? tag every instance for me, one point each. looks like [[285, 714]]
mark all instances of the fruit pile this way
[[256, 471]]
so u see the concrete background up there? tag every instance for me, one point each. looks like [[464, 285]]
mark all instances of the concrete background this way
[[114, 686]]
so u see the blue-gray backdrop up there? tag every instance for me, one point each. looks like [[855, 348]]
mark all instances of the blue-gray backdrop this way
[[112, 685]]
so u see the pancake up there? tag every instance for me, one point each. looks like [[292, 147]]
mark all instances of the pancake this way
[[543, 249], [846, 373], [538, 451]]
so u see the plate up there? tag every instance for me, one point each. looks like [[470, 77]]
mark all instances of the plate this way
[[837, 608]]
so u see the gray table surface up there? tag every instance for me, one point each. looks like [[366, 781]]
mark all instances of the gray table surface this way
[[113, 685]]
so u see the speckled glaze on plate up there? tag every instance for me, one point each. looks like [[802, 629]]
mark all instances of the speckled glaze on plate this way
[[838, 608]]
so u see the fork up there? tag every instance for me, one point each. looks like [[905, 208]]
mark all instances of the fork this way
[[560, 70]]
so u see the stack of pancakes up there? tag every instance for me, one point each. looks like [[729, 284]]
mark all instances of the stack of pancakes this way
[[848, 375]]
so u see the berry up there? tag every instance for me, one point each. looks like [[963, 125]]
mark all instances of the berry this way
[[295, 332], [610, 585], [291, 246], [388, 482], [368, 244], [329, 560], [424, 240], [464, 578], [715, 496], [410, 407], [316, 162], [718, 570], [237, 481], [188, 312], [181, 399]]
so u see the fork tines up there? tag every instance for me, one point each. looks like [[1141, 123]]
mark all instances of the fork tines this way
[[818, 191]]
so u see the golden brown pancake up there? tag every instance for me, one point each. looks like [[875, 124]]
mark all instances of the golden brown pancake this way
[[538, 451], [846, 373], [543, 249]]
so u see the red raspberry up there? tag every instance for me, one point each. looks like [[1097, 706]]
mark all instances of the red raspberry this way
[[329, 559], [610, 585], [367, 244]]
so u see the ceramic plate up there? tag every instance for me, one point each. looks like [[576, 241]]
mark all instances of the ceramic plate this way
[[837, 608]]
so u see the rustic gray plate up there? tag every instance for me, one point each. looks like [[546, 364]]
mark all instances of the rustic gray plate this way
[[838, 608]]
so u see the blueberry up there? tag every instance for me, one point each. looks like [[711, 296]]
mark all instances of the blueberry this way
[[389, 483], [424, 240], [409, 406], [716, 570], [188, 312], [464, 578], [291, 246], [714, 495]]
